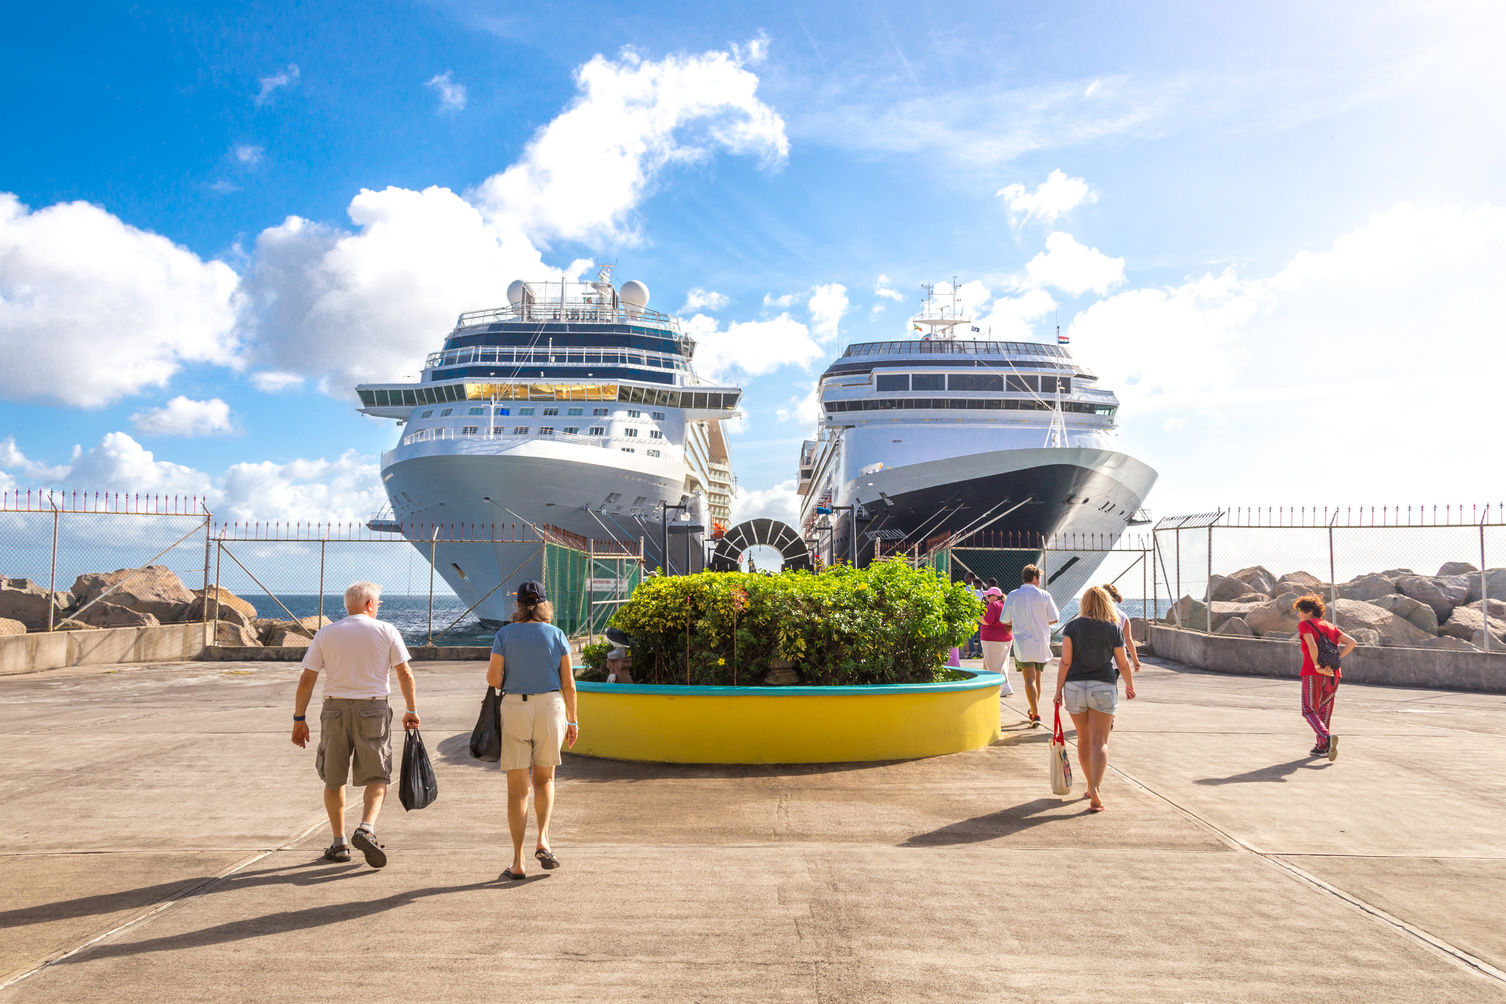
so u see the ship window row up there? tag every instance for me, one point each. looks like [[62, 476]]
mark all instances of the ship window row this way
[[1025, 383], [966, 404], [554, 356], [570, 433], [654, 397], [960, 347], [566, 336]]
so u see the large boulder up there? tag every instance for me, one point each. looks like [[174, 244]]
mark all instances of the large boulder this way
[[73, 625], [1483, 642], [1455, 568], [1258, 578], [1273, 617], [1497, 607], [151, 590], [225, 611], [1366, 588], [1226, 587], [1189, 614], [231, 633], [1224, 611], [1448, 643], [105, 614], [1440, 594], [1366, 637], [288, 636], [1495, 584], [1299, 583], [1420, 614], [1138, 630], [1394, 631], [1235, 626], [1463, 622], [221, 598], [313, 622], [25, 601], [8, 626]]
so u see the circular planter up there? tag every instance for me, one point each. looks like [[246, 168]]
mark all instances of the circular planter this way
[[670, 724]]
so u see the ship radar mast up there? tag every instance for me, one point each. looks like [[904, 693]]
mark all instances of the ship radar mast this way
[[937, 320]]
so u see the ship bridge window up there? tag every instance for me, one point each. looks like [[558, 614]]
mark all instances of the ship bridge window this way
[[1021, 384], [974, 381], [928, 381], [1050, 384], [368, 398], [893, 381]]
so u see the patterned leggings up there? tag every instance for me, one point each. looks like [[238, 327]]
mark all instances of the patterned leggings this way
[[1317, 703]]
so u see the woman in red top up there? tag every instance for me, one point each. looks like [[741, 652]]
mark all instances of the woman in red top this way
[[996, 637], [1319, 682]]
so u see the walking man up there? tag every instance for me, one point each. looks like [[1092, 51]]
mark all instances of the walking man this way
[[1030, 611], [355, 720]]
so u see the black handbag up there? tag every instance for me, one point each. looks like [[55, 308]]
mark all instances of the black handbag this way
[[1328, 652], [416, 787], [486, 737]]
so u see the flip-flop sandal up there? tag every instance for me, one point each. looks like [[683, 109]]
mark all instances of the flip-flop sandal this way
[[507, 873], [547, 859], [1097, 808], [366, 842], [339, 853]]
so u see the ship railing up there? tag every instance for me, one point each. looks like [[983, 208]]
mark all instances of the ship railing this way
[[496, 432], [580, 311], [508, 356]]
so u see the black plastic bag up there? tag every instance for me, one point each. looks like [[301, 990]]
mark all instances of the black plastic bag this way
[[486, 737], [416, 788]]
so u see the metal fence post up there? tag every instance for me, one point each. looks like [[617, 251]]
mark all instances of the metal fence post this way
[[1333, 586], [432, 546], [1155, 587], [1178, 532], [1484, 583], [52, 582], [322, 543], [1208, 589]]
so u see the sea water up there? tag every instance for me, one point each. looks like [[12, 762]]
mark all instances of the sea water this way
[[408, 613]]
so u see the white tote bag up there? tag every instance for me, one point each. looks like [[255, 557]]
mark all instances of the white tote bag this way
[[1061, 767]]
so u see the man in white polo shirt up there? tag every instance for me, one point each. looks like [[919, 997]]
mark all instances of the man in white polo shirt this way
[[356, 654], [1030, 611]]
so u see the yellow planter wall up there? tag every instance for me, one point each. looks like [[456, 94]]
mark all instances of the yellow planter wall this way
[[786, 724]]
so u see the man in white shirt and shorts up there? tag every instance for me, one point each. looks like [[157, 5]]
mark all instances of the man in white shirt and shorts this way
[[356, 654], [1030, 611]]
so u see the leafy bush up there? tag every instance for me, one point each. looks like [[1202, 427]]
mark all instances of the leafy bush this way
[[594, 656], [888, 623]]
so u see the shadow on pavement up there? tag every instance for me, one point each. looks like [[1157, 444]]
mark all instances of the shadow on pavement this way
[[597, 769], [1278, 772], [1005, 822]]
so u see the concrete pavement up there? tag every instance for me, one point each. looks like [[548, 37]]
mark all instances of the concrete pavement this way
[[160, 817]]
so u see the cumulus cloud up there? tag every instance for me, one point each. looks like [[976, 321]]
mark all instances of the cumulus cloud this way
[[12, 460], [246, 154], [703, 299], [881, 288], [751, 348], [1074, 268], [1054, 197], [804, 410], [93, 310], [1009, 317], [275, 382], [183, 416], [828, 305], [779, 502], [283, 78], [451, 95], [119, 463], [582, 174]]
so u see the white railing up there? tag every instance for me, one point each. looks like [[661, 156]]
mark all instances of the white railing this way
[[583, 311], [493, 355], [458, 432]]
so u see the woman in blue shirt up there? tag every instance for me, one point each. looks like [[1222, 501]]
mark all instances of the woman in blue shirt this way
[[530, 664]]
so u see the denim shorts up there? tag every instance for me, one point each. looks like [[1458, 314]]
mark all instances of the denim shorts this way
[[1084, 695]]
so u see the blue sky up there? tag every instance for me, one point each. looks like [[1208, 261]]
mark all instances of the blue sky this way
[[1276, 231]]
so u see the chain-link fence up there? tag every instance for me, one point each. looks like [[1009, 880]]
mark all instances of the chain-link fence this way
[[1399, 576], [77, 560]]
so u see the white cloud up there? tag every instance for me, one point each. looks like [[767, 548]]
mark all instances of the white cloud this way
[[583, 173], [185, 417], [92, 310], [828, 305], [783, 302], [1009, 317], [703, 299], [119, 463], [12, 459], [1075, 268], [246, 154], [805, 410], [750, 348], [1054, 197], [881, 288], [274, 382], [451, 95], [1172, 424], [224, 187], [283, 78], [779, 502]]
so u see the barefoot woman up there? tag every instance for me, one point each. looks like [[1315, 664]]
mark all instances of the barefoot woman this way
[[1088, 682]]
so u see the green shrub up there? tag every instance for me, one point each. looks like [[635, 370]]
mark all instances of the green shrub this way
[[594, 656], [888, 623]]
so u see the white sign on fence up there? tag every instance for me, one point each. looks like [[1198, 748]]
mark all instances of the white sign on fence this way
[[610, 585]]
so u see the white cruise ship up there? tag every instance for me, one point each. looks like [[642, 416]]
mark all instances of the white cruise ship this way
[[574, 407], [944, 434]]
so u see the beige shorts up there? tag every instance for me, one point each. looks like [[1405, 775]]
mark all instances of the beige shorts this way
[[359, 731], [532, 731]]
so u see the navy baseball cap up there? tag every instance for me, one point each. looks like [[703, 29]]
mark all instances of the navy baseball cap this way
[[531, 592]]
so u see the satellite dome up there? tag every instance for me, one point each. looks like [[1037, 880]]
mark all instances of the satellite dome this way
[[515, 292], [633, 293]]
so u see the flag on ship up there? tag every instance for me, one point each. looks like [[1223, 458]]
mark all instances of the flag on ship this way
[[1062, 339]]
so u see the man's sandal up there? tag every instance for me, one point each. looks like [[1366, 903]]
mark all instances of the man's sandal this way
[[339, 853], [366, 841], [547, 859]]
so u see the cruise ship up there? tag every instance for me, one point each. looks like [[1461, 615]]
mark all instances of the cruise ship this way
[[942, 435], [574, 407]]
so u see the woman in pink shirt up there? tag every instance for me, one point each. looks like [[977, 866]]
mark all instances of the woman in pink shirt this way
[[996, 637]]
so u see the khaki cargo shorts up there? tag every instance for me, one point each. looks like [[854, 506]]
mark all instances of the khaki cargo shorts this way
[[532, 731], [354, 729]]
